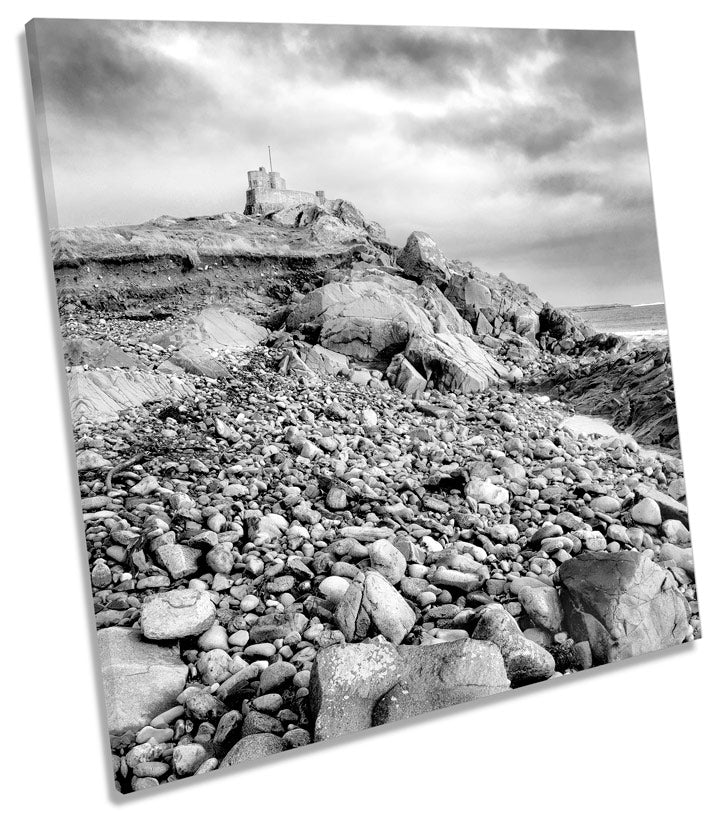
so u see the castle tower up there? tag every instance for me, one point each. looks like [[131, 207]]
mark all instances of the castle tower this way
[[267, 193], [277, 183]]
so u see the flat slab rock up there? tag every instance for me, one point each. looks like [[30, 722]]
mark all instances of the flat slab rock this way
[[623, 604], [100, 395], [216, 328], [140, 680]]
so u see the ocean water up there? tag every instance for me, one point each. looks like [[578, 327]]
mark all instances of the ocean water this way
[[634, 321]]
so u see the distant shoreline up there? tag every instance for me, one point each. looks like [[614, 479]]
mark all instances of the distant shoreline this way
[[590, 307]]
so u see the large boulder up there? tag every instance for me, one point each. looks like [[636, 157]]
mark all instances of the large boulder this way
[[368, 320], [140, 680], [623, 604], [422, 259], [442, 674], [369, 314], [346, 682], [454, 363], [100, 395]]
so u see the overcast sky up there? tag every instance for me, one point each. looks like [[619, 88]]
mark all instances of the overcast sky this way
[[522, 151]]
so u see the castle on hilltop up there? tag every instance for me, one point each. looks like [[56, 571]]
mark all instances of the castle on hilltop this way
[[267, 192]]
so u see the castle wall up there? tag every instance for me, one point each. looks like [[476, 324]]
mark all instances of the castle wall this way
[[267, 200]]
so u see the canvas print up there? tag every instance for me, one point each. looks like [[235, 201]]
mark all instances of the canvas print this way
[[368, 373]]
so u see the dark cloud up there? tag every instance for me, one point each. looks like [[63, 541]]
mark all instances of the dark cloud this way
[[105, 75], [616, 193], [533, 130], [597, 69], [413, 58]]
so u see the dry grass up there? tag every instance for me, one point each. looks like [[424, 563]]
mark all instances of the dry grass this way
[[165, 236]]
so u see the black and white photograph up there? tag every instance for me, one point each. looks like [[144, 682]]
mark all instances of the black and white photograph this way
[[367, 364]]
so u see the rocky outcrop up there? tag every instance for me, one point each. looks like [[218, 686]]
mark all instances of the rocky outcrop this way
[[140, 680], [623, 604], [633, 388]]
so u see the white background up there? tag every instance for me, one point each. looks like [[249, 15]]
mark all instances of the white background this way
[[636, 737]]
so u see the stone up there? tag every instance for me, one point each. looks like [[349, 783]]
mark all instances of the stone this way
[[179, 561], [453, 363], [387, 560], [252, 747], [469, 296], [177, 613], [484, 491], [440, 675], [89, 460], [276, 675], [196, 360], [214, 637], [542, 604], [402, 375], [322, 360], [371, 602], [682, 558], [422, 259], [140, 680], [188, 758], [346, 682], [647, 512], [623, 604], [676, 532], [334, 588], [670, 509], [525, 661]]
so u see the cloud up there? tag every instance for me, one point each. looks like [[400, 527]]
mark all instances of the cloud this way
[[533, 130], [107, 75], [597, 69], [523, 151]]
